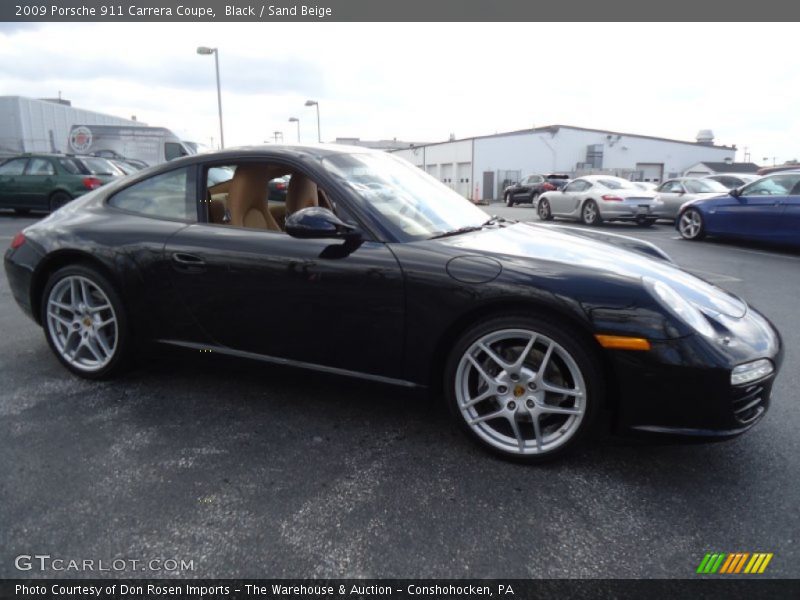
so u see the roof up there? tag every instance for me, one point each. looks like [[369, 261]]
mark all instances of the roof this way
[[734, 167], [553, 129]]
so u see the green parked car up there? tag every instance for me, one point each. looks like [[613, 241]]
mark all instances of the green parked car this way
[[48, 181]]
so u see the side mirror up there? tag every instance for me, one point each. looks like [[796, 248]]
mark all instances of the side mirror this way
[[316, 222], [735, 192]]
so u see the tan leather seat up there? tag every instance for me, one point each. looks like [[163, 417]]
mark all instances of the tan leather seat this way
[[247, 198], [302, 193]]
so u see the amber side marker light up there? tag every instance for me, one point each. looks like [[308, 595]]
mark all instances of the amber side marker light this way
[[621, 342]]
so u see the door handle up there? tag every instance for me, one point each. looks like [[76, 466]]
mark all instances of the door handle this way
[[187, 259], [188, 262]]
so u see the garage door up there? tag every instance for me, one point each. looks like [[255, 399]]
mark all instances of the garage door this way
[[463, 181], [446, 175], [653, 172]]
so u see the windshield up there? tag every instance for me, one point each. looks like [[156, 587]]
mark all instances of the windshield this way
[[100, 166], [411, 203], [704, 186]]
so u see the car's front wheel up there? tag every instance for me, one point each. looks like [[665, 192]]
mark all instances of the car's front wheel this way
[[543, 210], [509, 200], [691, 226], [85, 323], [525, 388]]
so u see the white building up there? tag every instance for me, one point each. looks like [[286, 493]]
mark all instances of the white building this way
[[480, 167], [29, 125]]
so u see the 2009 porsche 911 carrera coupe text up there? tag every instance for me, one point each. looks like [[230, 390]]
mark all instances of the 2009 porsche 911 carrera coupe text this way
[[371, 268]]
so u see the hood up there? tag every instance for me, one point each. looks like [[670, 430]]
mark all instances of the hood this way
[[542, 243]]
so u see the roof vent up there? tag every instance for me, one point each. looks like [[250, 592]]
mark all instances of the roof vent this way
[[705, 136]]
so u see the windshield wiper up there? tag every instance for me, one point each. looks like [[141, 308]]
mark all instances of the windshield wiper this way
[[469, 228]]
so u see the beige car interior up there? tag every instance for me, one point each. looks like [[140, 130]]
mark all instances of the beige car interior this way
[[242, 201]]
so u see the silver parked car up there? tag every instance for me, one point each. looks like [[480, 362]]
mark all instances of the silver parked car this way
[[733, 180], [596, 198], [674, 193]]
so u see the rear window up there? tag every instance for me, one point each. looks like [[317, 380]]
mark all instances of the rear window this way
[[100, 166]]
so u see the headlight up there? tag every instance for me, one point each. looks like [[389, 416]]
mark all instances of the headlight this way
[[751, 371], [679, 306]]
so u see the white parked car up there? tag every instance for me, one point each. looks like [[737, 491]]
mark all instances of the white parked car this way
[[596, 198], [674, 193]]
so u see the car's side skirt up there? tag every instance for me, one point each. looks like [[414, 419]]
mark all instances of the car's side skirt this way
[[291, 363]]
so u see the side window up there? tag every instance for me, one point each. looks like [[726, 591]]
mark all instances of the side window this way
[[13, 167], [574, 186], [165, 196], [173, 150], [70, 166], [40, 166], [777, 185]]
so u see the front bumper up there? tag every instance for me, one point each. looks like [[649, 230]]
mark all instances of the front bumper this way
[[682, 388]]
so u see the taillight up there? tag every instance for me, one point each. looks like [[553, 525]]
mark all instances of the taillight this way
[[280, 186], [18, 240], [548, 187], [91, 183], [610, 198]]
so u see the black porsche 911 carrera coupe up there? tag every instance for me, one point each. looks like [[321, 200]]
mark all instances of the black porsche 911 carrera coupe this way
[[373, 269]]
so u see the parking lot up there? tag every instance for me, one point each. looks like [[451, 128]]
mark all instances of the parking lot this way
[[250, 470]]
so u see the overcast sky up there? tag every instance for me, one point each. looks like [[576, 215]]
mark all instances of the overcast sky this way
[[422, 82]]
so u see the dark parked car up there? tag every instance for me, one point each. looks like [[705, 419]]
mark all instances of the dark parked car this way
[[48, 181], [766, 210], [381, 272], [532, 186]]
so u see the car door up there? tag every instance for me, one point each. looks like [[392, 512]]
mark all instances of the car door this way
[[11, 184], [755, 212], [561, 201], [672, 194], [789, 228], [520, 190], [38, 181], [309, 301]]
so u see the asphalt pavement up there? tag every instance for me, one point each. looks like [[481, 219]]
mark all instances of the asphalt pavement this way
[[250, 470]]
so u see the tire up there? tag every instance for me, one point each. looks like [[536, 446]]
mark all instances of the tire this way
[[509, 201], [645, 222], [85, 323], [59, 199], [495, 393], [691, 225], [590, 213], [534, 197], [543, 210]]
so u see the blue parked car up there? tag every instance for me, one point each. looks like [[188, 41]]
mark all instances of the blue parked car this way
[[766, 210]]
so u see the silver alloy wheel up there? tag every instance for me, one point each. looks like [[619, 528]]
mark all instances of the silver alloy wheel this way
[[82, 323], [520, 391], [690, 225], [589, 213], [543, 208]]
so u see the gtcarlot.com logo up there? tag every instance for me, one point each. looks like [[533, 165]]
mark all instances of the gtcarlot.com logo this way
[[46, 562], [734, 563]]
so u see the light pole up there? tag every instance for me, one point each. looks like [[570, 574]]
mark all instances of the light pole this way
[[315, 103], [204, 50], [296, 120]]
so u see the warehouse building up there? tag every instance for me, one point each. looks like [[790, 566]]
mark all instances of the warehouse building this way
[[480, 167], [31, 125]]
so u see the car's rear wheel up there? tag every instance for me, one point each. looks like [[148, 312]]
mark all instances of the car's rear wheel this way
[[58, 199], [509, 200], [534, 197], [525, 388], [543, 210], [85, 323], [645, 222], [590, 213], [691, 225]]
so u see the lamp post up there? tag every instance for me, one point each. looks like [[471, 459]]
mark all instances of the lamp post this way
[[204, 50], [296, 120], [315, 103]]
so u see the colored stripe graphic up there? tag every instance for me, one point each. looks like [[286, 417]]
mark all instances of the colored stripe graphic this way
[[734, 562]]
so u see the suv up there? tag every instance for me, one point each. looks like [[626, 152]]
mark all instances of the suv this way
[[528, 190], [48, 181]]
